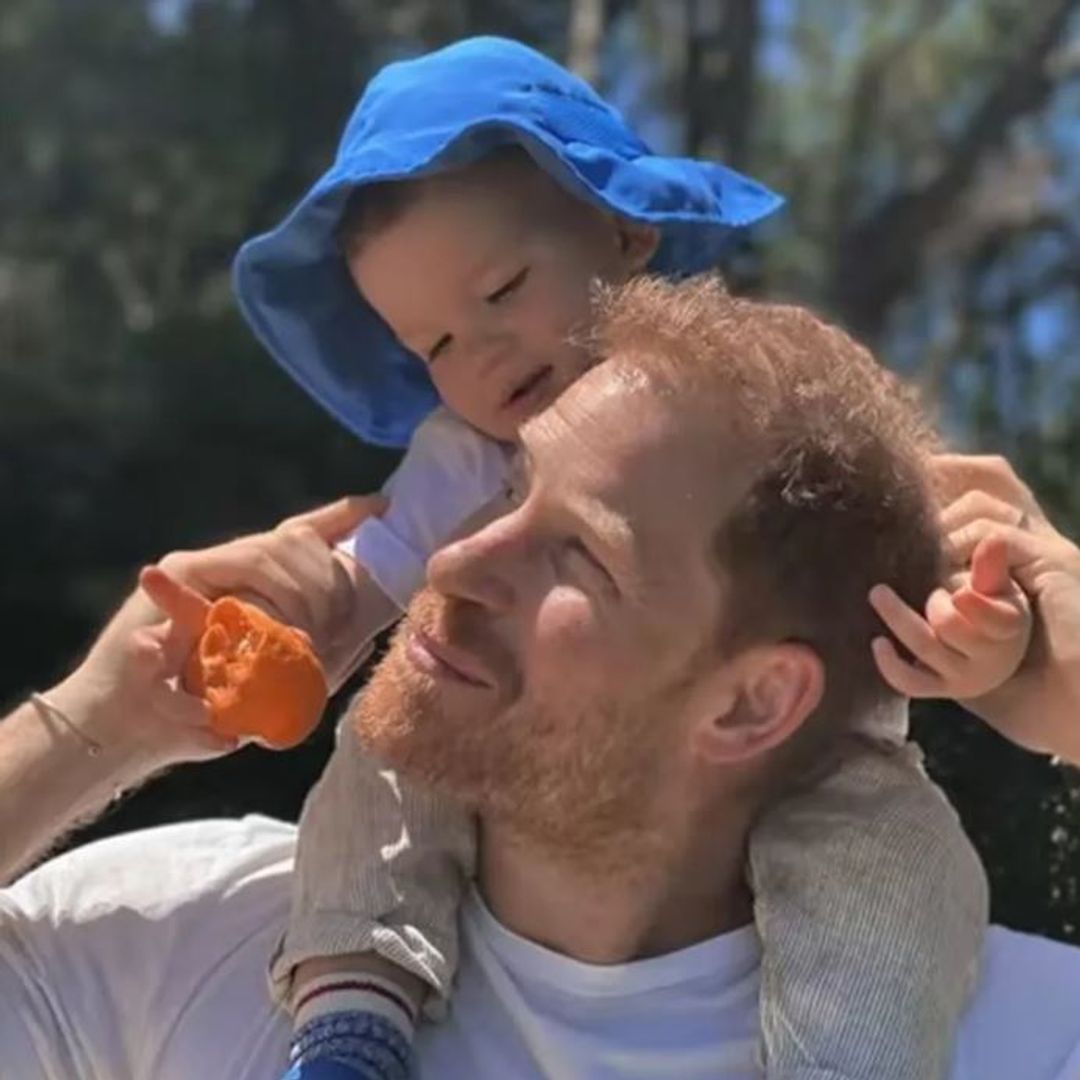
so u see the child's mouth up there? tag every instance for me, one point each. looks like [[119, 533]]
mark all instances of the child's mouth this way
[[530, 388]]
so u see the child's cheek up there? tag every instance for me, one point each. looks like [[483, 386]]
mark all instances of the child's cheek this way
[[561, 305]]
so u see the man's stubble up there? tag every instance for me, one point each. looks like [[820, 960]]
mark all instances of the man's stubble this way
[[579, 779]]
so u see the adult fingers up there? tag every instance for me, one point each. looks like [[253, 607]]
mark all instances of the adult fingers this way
[[202, 743], [979, 505], [245, 567], [337, 520], [955, 474], [180, 603], [174, 643], [1022, 547]]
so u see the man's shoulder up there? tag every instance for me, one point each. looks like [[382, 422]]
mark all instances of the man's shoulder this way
[[179, 863], [1024, 1020], [149, 946]]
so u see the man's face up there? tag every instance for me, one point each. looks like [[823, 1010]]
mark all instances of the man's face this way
[[546, 673], [486, 276]]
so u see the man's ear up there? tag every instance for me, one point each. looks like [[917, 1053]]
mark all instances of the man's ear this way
[[760, 698], [638, 242]]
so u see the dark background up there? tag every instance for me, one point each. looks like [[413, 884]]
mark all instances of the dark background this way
[[930, 148]]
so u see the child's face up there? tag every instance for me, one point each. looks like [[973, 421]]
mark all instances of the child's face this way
[[485, 275]]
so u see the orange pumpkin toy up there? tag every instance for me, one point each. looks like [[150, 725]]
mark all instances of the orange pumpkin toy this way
[[261, 678]]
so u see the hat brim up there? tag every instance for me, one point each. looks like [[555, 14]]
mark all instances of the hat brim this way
[[294, 288]]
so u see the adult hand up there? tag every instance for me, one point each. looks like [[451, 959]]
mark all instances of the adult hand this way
[[1039, 708], [124, 696], [294, 574]]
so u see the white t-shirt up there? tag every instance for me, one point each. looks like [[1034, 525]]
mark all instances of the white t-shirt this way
[[448, 473], [143, 957]]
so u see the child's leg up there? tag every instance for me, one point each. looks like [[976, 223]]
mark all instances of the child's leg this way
[[871, 905], [380, 870]]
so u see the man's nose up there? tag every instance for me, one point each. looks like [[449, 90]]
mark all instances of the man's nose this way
[[479, 568]]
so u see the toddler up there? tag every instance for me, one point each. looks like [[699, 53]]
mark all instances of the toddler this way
[[432, 288]]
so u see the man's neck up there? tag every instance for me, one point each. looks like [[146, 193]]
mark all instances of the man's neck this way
[[662, 900]]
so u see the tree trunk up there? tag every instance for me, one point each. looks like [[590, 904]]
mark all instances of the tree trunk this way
[[720, 76], [585, 37]]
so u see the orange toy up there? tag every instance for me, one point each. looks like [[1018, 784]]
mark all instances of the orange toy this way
[[261, 678]]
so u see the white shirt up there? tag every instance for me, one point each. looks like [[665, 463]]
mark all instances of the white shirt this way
[[144, 957], [448, 473]]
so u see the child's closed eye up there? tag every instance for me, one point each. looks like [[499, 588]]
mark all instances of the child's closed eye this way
[[509, 287]]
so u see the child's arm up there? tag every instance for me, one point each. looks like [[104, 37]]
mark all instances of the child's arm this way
[[870, 900], [871, 906], [381, 866], [969, 641]]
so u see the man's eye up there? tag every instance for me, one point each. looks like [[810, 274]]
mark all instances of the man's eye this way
[[504, 291], [580, 555], [512, 494]]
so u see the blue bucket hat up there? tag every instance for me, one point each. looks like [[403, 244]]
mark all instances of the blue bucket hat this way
[[438, 112]]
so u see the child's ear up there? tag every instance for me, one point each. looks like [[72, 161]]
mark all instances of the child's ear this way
[[767, 693], [638, 242]]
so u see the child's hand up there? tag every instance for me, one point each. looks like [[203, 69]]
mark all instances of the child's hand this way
[[294, 574], [969, 642]]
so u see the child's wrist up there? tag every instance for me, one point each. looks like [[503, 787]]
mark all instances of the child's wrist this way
[[350, 966]]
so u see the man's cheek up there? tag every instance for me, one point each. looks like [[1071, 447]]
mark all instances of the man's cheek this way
[[569, 636]]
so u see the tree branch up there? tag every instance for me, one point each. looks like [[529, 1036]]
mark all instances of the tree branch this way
[[873, 70], [879, 258]]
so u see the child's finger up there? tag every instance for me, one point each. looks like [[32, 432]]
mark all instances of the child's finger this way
[[990, 566], [182, 604], [951, 626], [912, 630], [995, 618], [903, 677]]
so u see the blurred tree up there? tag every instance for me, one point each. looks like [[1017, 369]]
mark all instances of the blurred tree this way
[[585, 37], [929, 149]]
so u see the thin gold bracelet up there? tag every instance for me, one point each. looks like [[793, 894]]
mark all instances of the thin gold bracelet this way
[[44, 705]]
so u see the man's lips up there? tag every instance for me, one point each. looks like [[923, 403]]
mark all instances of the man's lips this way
[[532, 386], [440, 660]]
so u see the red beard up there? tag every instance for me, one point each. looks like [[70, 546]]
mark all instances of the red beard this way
[[573, 775]]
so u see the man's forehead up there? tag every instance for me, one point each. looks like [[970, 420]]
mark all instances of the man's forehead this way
[[616, 419], [604, 422], [618, 439]]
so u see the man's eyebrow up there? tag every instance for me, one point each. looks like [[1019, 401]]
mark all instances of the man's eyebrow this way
[[610, 529]]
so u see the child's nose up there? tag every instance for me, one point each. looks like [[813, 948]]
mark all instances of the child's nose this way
[[492, 352]]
